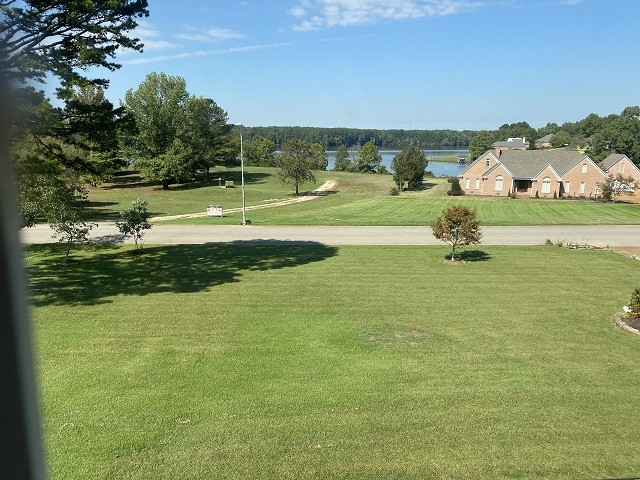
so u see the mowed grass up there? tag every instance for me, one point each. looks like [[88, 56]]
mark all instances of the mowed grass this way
[[231, 361], [357, 199]]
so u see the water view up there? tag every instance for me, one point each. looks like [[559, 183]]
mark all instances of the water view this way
[[439, 168]]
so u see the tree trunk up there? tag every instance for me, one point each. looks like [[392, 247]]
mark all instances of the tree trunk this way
[[296, 189], [453, 252], [165, 185]]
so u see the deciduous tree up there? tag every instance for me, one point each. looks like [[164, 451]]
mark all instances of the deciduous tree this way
[[177, 134], [295, 163], [343, 162], [457, 225], [260, 152], [409, 166], [480, 143], [134, 221], [368, 160], [319, 156]]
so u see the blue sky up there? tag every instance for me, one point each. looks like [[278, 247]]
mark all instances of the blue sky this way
[[423, 64]]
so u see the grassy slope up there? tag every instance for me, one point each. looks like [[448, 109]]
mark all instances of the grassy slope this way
[[199, 362], [358, 199]]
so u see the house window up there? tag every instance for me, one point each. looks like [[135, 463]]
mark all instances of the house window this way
[[567, 186], [487, 163], [546, 185], [466, 184], [477, 184], [598, 191], [622, 167], [581, 190], [584, 168], [499, 183]]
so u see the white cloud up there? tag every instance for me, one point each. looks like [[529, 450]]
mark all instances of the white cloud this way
[[298, 11], [331, 13], [213, 34], [203, 53]]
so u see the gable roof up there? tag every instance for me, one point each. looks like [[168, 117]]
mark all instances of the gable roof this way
[[546, 139], [495, 167], [481, 157], [612, 159], [512, 143], [527, 164]]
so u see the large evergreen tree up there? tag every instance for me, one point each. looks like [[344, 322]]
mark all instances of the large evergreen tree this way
[[59, 41]]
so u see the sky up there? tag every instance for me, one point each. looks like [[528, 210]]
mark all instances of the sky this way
[[396, 64]]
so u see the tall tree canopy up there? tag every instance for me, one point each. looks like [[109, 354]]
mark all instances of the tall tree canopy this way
[[260, 152], [177, 133], [59, 41]]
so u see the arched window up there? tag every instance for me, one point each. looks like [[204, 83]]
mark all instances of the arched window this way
[[546, 185], [499, 183]]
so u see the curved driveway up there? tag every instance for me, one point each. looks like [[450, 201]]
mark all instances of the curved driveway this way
[[596, 235]]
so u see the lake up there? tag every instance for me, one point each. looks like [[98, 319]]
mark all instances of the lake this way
[[439, 169]]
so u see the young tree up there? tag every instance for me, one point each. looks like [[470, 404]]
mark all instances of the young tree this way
[[295, 163], [67, 226], [319, 156], [260, 152], [457, 225], [368, 160], [409, 166], [343, 162], [134, 221], [617, 186]]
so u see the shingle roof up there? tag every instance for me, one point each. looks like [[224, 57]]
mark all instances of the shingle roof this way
[[515, 143], [611, 160], [545, 139], [528, 163]]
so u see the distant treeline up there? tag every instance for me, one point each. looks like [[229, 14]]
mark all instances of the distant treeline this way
[[330, 138], [597, 136]]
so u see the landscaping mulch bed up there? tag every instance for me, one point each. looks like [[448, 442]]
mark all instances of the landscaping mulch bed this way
[[632, 322]]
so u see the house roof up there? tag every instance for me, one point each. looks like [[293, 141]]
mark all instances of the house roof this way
[[473, 164], [545, 139], [529, 163], [612, 159], [512, 143]]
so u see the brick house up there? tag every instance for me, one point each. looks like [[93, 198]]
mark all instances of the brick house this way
[[618, 164], [516, 143], [527, 172]]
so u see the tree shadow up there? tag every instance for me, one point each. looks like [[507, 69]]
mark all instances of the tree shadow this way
[[470, 256], [236, 177], [100, 272]]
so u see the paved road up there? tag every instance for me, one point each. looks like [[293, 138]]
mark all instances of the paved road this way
[[613, 235]]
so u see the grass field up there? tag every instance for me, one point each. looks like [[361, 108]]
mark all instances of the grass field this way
[[223, 361], [357, 199]]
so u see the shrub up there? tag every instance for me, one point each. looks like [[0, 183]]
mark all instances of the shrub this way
[[537, 194], [394, 191], [634, 302], [555, 194]]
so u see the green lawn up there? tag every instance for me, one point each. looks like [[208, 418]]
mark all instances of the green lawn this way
[[227, 361], [357, 199]]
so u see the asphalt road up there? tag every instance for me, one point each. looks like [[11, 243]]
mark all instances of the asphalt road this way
[[597, 235]]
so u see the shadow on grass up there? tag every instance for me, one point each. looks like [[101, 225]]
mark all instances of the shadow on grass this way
[[100, 272], [212, 181], [470, 256]]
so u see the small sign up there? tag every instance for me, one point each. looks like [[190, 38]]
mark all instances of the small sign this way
[[214, 210]]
